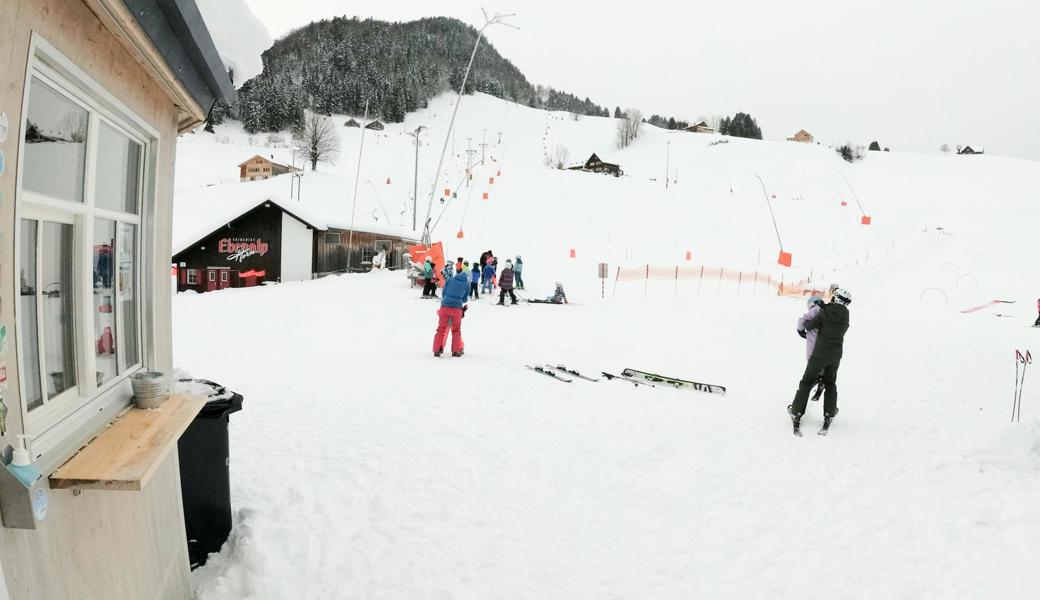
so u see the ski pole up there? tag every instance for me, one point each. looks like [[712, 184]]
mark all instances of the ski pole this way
[[1027, 361], [1014, 397]]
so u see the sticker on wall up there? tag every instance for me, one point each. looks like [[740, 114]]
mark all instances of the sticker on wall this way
[[3, 126]]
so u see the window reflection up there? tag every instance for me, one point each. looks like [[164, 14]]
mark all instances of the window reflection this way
[[57, 316], [55, 144], [118, 165], [28, 341]]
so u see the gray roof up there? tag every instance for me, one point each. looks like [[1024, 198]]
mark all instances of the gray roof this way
[[178, 31]]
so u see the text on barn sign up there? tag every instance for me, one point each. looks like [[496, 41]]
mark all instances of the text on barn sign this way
[[241, 248]]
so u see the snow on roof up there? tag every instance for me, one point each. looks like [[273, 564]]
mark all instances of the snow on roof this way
[[325, 204], [240, 37]]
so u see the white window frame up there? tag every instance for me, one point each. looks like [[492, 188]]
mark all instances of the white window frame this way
[[224, 276], [193, 277], [61, 424]]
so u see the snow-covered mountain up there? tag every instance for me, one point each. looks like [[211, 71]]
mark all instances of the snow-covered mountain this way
[[364, 467]]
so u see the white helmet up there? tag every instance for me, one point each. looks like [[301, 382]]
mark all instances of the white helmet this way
[[842, 296]]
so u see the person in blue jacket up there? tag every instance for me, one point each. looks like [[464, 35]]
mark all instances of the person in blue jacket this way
[[489, 277], [453, 308]]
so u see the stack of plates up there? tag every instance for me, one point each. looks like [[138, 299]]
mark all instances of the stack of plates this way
[[149, 389]]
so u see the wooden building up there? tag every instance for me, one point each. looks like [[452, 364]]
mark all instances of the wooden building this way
[[375, 126], [95, 93], [595, 165], [802, 136], [265, 243], [700, 127], [260, 167], [332, 248], [270, 243], [970, 150], [352, 123]]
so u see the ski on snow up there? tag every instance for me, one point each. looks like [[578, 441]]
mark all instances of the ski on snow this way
[[676, 383], [549, 373], [573, 372], [635, 382]]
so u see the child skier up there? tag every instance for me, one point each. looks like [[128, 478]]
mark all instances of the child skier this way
[[430, 286], [518, 272], [453, 308], [505, 284], [558, 297], [474, 282], [814, 305], [488, 277], [831, 323]]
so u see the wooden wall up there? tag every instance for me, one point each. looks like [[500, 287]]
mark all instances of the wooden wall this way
[[100, 545]]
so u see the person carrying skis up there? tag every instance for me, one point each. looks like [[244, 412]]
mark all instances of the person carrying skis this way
[[487, 275], [831, 323], [430, 286], [505, 284], [518, 272], [814, 305], [449, 315], [474, 282]]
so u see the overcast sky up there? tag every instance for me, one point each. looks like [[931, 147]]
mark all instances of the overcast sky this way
[[911, 74]]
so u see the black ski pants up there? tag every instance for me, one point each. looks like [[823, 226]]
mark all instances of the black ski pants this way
[[474, 290], [829, 368], [430, 288], [502, 296]]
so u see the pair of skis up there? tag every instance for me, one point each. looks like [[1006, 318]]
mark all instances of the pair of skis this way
[[1016, 405], [682, 384], [797, 425], [558, 372]]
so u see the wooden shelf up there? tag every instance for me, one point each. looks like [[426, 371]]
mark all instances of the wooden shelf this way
[[126, 454]]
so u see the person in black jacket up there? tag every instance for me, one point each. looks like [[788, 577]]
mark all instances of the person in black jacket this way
[[831, 324]]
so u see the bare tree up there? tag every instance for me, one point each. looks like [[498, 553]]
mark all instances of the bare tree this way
[[560, 156], [319, 139], [628, 127], [945, 148]]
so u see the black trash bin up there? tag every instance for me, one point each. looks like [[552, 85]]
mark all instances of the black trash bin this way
[[205, 474]]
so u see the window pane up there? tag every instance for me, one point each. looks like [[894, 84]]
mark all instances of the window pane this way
[[29, 343], [55, 144], [57, 316], [105, 329], [126, 281], [118, 165]]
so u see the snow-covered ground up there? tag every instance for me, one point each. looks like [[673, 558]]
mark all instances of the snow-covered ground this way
[[362, 467]]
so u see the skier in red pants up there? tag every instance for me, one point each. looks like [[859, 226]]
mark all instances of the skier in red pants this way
[[1037, 323], [453, 308]]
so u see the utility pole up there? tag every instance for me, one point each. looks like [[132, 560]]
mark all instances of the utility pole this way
[[469, 160], [483, 145], [499, 138], [357, 177], [496, 19], [415, 192], [667, 160]]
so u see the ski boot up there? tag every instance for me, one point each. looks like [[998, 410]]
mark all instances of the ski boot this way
[[457, 354], [438, 352], [827, 422], [796, 421]]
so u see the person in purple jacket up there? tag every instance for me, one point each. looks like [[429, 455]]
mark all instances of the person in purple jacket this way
[[814, 304]]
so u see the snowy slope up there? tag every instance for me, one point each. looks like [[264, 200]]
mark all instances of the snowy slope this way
[[364, 468]]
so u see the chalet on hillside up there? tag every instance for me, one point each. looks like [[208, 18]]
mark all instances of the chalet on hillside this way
[[258, 168], [700, 127], [802, 136], [970, 150], [595, 165], [352, 123], [375, 126]]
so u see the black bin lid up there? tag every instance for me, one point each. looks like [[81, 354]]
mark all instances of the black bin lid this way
[[221, 402]]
